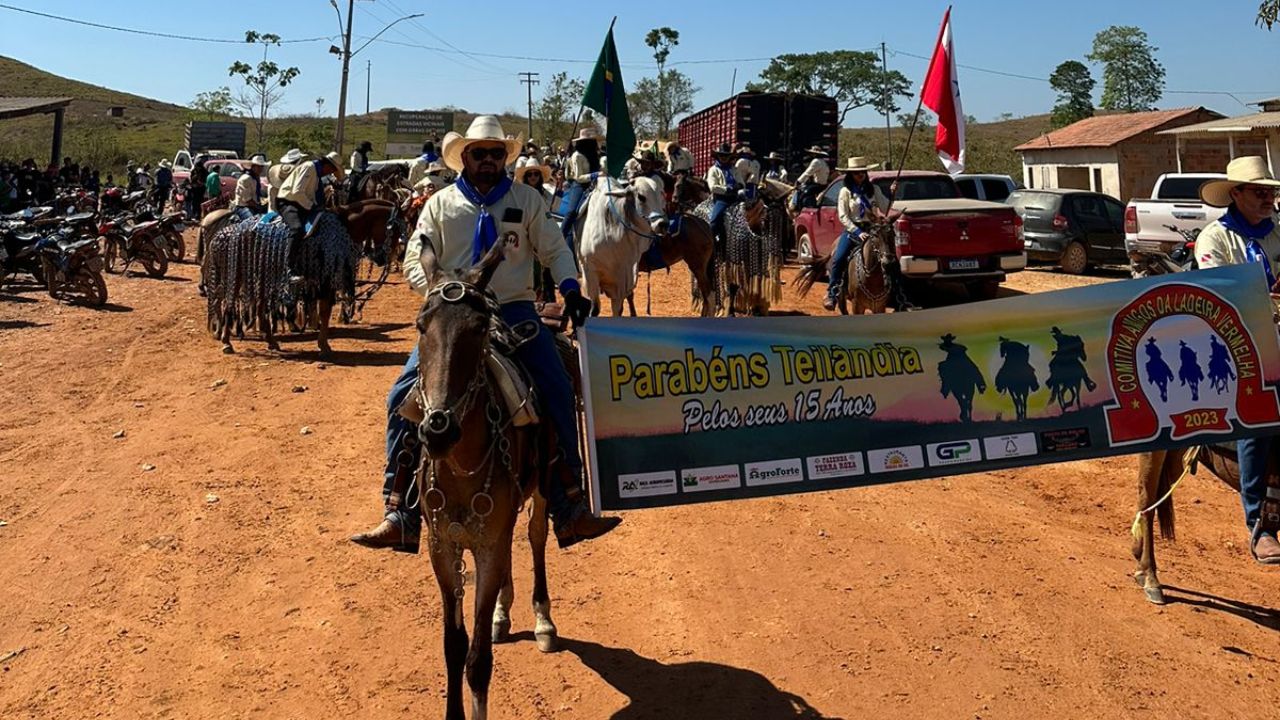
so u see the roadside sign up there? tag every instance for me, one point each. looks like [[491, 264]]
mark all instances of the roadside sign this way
[[408, 129]]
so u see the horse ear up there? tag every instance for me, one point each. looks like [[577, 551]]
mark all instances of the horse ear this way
[[482, 272]]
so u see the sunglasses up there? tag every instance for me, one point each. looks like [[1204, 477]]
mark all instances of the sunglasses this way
[[1261, 193], [478, 154]]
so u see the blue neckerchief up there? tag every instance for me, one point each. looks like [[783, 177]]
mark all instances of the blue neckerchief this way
[[1253, 252], [430, 157], [730, 182], [486, 230]]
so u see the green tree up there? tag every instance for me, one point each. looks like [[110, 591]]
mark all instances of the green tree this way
[[1132, 79], [264, 83], [1074, 86], [854, 78], [656, 102], [662, 40], [211, 104], [553, 114]]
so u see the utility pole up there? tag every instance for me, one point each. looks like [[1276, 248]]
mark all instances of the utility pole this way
[[530, 79], [368, 80], [884, 97], [346, 66]]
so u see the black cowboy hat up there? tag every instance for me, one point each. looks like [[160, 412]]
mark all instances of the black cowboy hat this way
[[723, 149], [366, 145]]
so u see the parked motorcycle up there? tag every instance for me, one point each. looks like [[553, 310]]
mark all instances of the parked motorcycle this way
[[1180, 258], [173, 224], [19, 254], [124, 240], [72, 268]]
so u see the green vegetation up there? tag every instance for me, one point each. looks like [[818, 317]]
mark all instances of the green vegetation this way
[[151, 129], [988, 146]]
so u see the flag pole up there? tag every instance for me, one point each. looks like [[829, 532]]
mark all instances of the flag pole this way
[[582, 103], [911, 133]]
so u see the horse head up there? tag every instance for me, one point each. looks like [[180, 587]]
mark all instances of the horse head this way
[[453, 337], [643, 205]]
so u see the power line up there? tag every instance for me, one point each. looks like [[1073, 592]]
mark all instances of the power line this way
[[149, 33]]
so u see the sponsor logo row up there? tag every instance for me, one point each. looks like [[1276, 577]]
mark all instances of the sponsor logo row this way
[[838, 465]]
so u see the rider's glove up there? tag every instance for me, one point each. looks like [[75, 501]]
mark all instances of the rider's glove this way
[[577, 307]]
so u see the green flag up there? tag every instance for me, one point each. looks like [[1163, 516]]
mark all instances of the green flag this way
[[606, 96]]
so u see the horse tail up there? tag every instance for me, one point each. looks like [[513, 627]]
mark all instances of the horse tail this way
[[1175, 464], [810, 274]]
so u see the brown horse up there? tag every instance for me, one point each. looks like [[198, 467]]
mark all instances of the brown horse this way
[[692, 244], [1158, 471], [478, 469], [867, 282]]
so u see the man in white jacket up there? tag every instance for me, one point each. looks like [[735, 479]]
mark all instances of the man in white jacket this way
[[461, 223]]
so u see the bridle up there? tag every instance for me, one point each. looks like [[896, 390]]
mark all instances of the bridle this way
[[622, 220]]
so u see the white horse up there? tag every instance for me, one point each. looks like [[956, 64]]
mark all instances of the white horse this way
[[620, 223]]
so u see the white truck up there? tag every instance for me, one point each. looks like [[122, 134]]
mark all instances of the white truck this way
[[1172, 217]]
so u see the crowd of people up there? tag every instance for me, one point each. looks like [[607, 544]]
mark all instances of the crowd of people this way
[[23, 184]]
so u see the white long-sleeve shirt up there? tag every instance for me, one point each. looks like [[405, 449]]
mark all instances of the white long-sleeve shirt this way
[[818, 171], [718, 180], [448, 222], [578, 168], [1217, 246], [850, 211]]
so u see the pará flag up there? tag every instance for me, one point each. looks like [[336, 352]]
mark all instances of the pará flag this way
[[941, 94], [606, 96]]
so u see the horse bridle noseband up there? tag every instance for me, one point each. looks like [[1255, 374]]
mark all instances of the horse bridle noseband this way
[[436, 420]]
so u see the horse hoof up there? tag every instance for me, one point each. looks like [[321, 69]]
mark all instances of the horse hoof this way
[[1155, 595], [228, 350], [274, 347], [325, 349], [547, 642], [501, 631]]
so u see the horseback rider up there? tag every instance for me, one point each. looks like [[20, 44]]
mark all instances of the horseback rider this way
[[775, 169], [860, 201], [248, 196], [580, 171], [813, 180], [725, 189], [1070, 355], [1247, 233], [360, 159], [459, 223], [679, 161], [301, 199], [419, 167]]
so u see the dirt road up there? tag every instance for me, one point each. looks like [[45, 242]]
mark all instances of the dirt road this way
[[174, 546]]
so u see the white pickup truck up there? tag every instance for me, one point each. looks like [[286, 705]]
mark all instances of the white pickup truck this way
[[1172, 216]]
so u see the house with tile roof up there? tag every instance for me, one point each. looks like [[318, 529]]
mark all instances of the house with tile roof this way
[[1120, 154]]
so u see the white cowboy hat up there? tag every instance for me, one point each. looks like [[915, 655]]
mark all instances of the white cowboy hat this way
[[165, 164], [259, 161], [485, 128], [589, 133], [293, 157], [336, 161], [816, 150], [1247, 170], [526, 169], [859, 163]]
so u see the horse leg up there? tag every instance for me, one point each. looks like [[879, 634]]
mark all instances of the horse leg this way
[[544, 630], [322, 319], [455, 632], [224, 333], [493, 567], [502, 611], [593, 289], [631, 303], [1151, 466]]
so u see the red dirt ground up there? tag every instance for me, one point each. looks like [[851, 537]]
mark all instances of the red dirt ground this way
[[198, 567]]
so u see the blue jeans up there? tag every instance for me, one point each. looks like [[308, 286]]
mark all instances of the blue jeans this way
[[540, 358], [1253, 454], [716, 219], [840, 265], [569, 206]]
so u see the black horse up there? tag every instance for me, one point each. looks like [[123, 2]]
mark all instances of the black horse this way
[[1016, 376], [960, 377]]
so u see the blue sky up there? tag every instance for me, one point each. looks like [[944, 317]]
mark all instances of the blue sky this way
[[1022, 38]]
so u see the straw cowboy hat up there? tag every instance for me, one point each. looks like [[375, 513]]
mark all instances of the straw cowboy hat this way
[[259, 161], [589, 133], [858, 163], [525, 170], [744, 149], [336, 161], [1247, 170], [816, 150], [774, 156], [293, 157], [485, 128]]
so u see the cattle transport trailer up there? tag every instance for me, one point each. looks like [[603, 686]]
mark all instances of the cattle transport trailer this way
[[767, 122]]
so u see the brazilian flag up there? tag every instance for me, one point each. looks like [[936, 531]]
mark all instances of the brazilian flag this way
[[606, 96]]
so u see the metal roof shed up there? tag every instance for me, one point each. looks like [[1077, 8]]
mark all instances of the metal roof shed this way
[[1258, 127], [16, 107]]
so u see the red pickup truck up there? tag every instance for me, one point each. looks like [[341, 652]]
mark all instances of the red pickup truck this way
[[939, 234]]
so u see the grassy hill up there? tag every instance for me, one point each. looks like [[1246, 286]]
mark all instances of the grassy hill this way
[[151, 129]]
